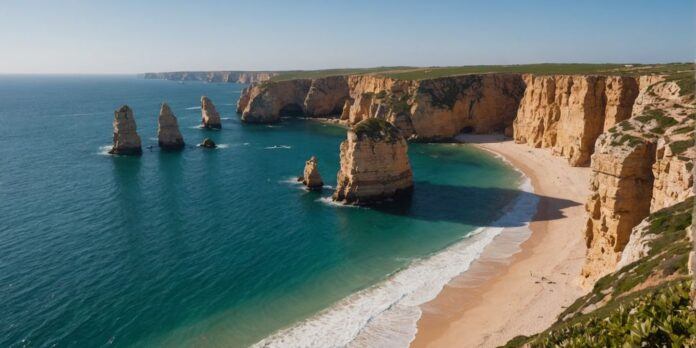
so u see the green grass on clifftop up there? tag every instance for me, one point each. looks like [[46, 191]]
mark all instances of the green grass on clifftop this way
[[683, 73], [376, 129]]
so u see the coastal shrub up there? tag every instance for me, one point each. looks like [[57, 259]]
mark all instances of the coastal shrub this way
[[377, 129], [399, 104], [634, 288], [682, 130], [680, 146]]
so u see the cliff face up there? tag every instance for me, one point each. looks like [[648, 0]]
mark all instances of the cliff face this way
[[213, 76], [568, 112], [429, 109], [126, 138], [641, 165], [374, 164]]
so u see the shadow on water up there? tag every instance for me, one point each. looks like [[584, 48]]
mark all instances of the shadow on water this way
[[476, 206]]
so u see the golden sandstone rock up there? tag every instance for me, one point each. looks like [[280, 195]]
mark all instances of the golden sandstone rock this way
[[374, 164], [168, 134], [310, 176], [126, 139], [209, 115]]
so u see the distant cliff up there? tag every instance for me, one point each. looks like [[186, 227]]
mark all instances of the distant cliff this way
[[213, 76]]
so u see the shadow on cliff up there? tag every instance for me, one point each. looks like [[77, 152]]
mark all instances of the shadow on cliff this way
[[476, 206]]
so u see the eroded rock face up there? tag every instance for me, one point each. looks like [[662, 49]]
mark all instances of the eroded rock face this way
[[210, 116], [268, 101], [374, 164], [641, 165], [214, 76], [568, 112], [126, 139], [310, 176], [621, 186], [168, 134], [326, 96]]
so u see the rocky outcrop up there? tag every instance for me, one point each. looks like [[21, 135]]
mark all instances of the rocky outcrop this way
[[427, 110], [374, 164], [213, 76], [267, 102], [568, 112], [641, 165], [208, 144], [168, 134], [326, 96], [209, 116], [310, 177], [126, 139]]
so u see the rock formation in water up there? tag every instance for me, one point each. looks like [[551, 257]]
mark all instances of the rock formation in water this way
[[210, 116], [374, 164], [310, 176], [213, 76], [208, 144], [126, 139], [168, 134], [267, 102]]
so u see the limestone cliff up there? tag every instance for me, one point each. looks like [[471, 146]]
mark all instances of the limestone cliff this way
[[568, 112], [374, 164], [168, 134], [213, 76], [641, 165], [210, 118], [432, 109], [126, 139]]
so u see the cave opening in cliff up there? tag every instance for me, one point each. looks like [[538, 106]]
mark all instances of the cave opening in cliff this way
[[468, 129], [292, 110]]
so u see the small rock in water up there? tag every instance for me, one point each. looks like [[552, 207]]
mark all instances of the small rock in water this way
[[311, 177], [208, 144]]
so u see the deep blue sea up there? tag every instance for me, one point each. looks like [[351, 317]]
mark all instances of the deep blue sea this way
[[209, 247]]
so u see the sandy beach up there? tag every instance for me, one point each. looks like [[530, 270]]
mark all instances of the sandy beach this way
[[517, 289]]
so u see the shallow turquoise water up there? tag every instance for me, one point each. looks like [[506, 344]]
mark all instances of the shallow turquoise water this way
[[200, 247]]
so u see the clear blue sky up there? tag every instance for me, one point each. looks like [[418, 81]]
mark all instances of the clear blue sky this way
[[129, 36]]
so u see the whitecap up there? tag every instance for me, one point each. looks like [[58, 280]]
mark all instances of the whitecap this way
[[274, 147], [194, 108], [104, 150], [200, 126], [386, 314]]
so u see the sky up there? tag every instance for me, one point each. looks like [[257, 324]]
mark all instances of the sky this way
[[128, 36]]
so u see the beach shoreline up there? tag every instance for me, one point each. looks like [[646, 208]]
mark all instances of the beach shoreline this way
[[520, 283]]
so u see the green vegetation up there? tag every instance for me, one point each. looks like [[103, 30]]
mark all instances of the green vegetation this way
[[680, 146], [376, 129], [662, 121], [682, 73], [660, 317], [646, 301]]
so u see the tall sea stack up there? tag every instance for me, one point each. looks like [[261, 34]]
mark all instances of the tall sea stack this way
[[374, 164], [310, 176], [126, 139], [168, 134], [210, 116]]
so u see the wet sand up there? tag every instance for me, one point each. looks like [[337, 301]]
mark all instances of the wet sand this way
[[517, 289]]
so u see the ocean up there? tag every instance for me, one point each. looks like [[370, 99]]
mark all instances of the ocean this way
[[217, 247]]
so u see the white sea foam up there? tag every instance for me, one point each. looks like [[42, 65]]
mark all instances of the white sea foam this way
[[194, 108], [223, 146], [200, 126], [274, 147], [329, 201], [386, 314], [104, 150]]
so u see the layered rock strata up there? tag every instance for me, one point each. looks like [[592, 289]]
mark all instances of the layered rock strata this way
[[374, 164], [429, 110], [641, 165], [567, 113], [210, 118], [126, 138], [213, 76], [168, 135], [310, 176]]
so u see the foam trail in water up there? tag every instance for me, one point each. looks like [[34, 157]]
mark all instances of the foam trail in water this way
[[104, 150], [274, 147], [386, 314], [194, 108]]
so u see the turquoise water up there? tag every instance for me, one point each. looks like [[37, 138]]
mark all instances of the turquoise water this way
[[203, 247]]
